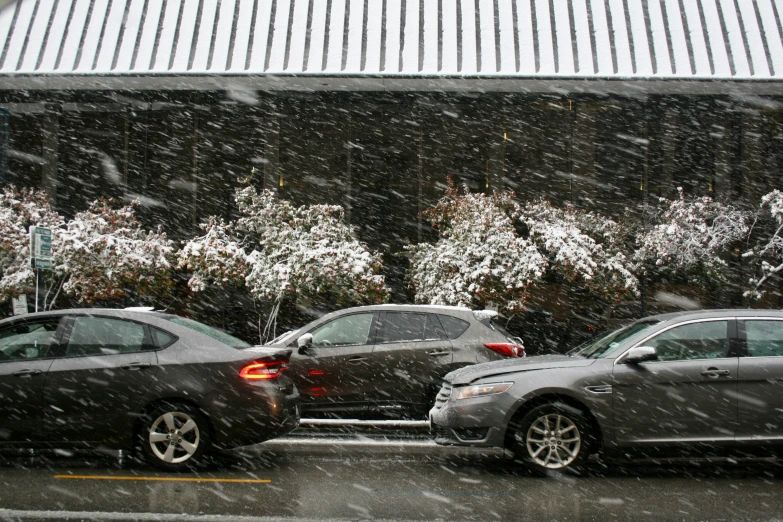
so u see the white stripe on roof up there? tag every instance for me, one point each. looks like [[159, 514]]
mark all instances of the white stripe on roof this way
[[602, 39]]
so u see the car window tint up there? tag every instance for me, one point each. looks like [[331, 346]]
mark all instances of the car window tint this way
[[348, 330], [705, 340], [28, 340], [399, 327], [104, 336], [454, 327], [433, 330], [765, 338], [211, 331], [162, 339]]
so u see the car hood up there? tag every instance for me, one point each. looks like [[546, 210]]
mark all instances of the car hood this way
[[469, 374]]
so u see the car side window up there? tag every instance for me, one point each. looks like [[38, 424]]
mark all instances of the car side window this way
[[161, 339], [704, 340], [349, 330], [397, 327], [764, 338], [104, 336], [453, 326], [433, 330], [28, 340]]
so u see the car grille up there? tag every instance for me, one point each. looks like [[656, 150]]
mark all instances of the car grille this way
[[443, 396]]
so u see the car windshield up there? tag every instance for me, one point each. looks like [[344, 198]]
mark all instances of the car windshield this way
[[282, 339], [215, 333], [595, 348]]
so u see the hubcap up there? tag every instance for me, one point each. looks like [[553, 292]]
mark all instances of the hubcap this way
[[174, 437], [553, 441]]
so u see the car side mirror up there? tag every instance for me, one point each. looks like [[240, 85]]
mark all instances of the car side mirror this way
[[641, 354], [305, 343]]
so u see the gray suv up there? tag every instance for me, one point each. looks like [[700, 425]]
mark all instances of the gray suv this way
[[687, 382], [389, 360]]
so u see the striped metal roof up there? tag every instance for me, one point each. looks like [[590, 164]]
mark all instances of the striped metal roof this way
[[607, 39]]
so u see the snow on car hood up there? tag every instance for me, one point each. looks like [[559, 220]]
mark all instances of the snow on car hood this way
[[541, 362]]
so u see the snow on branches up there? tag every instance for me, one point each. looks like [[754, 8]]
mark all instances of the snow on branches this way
[[482, 259], [278, 249], [768, 256], [479, 259], [20, 209], [582, 246], [214, 258], [690, 233], [104, 252]]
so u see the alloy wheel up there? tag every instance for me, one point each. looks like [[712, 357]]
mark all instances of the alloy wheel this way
[[553, 441], [174, 437]]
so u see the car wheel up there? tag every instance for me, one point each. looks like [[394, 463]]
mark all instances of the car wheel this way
[[175, 436], [552, 437]]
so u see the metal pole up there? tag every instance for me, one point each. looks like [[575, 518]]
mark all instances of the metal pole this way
[[37, 274]]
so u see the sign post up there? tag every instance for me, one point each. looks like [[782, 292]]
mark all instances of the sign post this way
[[40, 253]]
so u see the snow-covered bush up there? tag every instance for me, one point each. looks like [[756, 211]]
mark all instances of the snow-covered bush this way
[[307, 251], [767, 257], [583, 247], [215, 258], [278, 250], [689, 236], [19, 209], [104, 253], [492, 251], [479, 259]]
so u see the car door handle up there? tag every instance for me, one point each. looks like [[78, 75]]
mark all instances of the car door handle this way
[[438, 353], [27, 373], [715, 373], [135, 366], [355, 360]]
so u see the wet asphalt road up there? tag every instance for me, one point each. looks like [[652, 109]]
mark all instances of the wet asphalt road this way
[[327, 481]]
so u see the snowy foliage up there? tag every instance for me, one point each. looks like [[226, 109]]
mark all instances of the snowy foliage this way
[[482, 258], [103, 253], [19, 209], [767, 257], [214, 258], [583, 247], [479, 260], [690, 234], [278, 249]]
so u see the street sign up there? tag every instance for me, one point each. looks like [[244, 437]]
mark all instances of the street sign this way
[[40, 247], [20, 304]]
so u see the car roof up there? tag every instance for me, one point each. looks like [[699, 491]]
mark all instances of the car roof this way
[[113, 312], [717, 313]]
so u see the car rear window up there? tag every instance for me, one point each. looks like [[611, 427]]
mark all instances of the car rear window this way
[[215, 333], [454, 327], [499, 329]]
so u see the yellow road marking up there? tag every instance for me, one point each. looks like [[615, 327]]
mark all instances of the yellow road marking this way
[[163, 479]]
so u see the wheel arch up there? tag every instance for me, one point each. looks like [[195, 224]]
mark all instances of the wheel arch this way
[[552, 398]]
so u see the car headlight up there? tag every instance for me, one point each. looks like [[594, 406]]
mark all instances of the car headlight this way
[[479, 390]]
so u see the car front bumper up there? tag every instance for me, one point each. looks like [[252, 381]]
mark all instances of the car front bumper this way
[[476, 422]]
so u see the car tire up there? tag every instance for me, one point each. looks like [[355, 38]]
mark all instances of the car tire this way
[[552, 437], [175, 436]]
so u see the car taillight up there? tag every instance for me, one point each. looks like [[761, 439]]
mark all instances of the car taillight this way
[[506, 349], [267, 370]]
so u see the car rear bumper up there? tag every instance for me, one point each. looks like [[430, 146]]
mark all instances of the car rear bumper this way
[[243, 426]]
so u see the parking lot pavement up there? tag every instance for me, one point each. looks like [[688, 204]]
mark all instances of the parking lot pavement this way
[[398, 481]]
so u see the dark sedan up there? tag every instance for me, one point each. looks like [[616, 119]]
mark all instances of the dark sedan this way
[[685, 383], [172, 387]]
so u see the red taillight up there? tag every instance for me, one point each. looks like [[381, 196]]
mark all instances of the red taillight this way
[[507, 349], [268, 370]]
